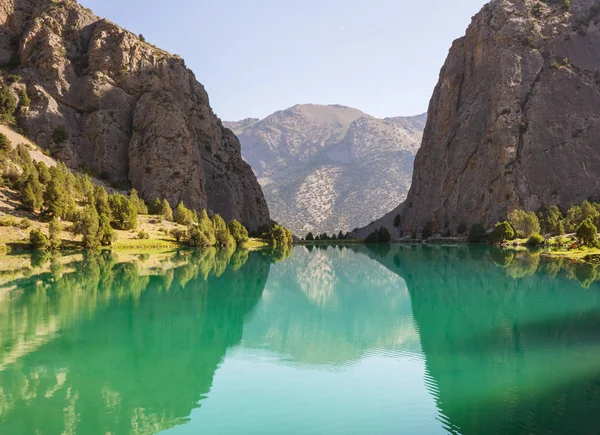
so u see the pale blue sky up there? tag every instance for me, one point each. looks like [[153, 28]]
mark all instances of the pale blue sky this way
[[256, 57]]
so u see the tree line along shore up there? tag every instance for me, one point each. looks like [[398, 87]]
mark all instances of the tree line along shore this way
[[51, 208]]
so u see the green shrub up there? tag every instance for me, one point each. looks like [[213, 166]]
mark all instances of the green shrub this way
[[397, 220], [535, 240], [5, 144], [106, 233], [382, 235], [124, 213], [54, 231], [502, 232], [179, 234], [143, 235], [60, 135], [238, 231], [279, 237], [561, 240], [25, 224], [14, 78], [224, 238], [25, 100], [524, 224], [8, 221], [551, 221], [138, 203], [101, 201], [166, 210], [7, 105], [38, 240], [183, 215], [202, 234], [87, 224], [462, 229], [587, 234]]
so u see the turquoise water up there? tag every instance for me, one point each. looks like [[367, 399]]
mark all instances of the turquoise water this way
[[402, 339]]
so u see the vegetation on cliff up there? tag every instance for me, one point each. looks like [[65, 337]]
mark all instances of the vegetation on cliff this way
[[70, 211]]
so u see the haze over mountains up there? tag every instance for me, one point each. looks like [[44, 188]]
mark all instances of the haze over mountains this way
[[330, 168]]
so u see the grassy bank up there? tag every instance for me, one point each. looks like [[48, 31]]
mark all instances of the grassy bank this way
[[151, 234]]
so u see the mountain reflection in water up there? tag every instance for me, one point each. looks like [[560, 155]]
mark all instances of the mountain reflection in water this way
[[440, 339]]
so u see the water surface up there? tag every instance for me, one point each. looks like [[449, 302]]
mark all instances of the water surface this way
[[401, 339]]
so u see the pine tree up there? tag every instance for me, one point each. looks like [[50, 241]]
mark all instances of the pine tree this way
[[106, 232], [157, 207], [221, 232], [55, 202], [101, 201], [38, 240], [183, 215], [587, 233], [124, 213], [28, 199], [54, 231], [5, 144], [88, 226], [238, 231], [138, 203], [85, 188], [203, 234], [167, 212], [43, 173]]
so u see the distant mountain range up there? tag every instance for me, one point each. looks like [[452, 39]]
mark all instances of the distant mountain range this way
[[330, 168]]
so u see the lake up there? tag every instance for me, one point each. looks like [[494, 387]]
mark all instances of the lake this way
[[321, 340]]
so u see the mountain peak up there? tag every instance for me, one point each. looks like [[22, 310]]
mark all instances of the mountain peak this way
[[321, 164]]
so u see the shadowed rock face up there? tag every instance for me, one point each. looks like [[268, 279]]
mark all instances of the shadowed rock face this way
[[131, 112], [513, 121]]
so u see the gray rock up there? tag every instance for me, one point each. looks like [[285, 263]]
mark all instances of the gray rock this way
[[513, 121], [330, 168], [134, 114]]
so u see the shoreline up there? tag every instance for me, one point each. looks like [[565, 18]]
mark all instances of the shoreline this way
[[129, 245]]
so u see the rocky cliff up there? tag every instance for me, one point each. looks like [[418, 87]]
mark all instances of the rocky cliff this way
[[514, 120], [330, 168], [104, 99]]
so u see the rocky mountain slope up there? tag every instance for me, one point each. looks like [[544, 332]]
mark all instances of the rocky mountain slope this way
[[104, 99], [330, 168], [513, 122]]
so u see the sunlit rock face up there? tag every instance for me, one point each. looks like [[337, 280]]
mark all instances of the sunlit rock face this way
[[513, 119], [104, 100], [330, 168]]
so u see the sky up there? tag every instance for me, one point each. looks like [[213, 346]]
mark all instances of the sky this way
[[258, 56]]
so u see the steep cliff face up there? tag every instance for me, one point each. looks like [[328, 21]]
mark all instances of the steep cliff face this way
[[514, 120], [330, 168], [104, 99]]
